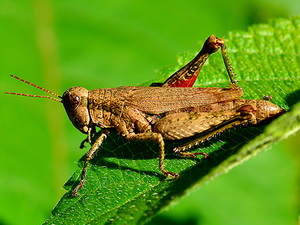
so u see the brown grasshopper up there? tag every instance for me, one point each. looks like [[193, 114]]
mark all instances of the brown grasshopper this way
[[172, 110]]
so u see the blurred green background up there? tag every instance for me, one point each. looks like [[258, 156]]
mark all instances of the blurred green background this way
[[98, 44]]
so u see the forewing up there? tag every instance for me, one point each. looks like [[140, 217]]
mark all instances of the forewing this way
[[156, 100]]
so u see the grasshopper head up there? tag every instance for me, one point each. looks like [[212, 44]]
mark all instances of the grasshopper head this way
[[75, 101], [267, 111]]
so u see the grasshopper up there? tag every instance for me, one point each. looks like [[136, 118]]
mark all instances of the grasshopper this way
[[172, 110]]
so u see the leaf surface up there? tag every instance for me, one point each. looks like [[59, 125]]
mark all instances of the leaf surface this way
[[124, 184]]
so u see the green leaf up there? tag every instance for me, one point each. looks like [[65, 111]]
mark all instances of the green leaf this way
[[124, 184]]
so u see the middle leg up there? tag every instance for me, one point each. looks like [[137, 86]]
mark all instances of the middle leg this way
[[155, 137]]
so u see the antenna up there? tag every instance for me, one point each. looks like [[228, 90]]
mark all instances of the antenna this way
[[34, 85]]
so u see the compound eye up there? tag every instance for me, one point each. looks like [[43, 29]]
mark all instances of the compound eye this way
[[74, 101]]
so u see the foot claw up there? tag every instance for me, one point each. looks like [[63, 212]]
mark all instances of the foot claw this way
[[75, 191], [205, 155], [173, 175], [75, 194]]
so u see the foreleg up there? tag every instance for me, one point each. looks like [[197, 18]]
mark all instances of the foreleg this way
[[89, 155]]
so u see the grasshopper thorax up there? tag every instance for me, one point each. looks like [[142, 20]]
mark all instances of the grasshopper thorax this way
[[75, 101]]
